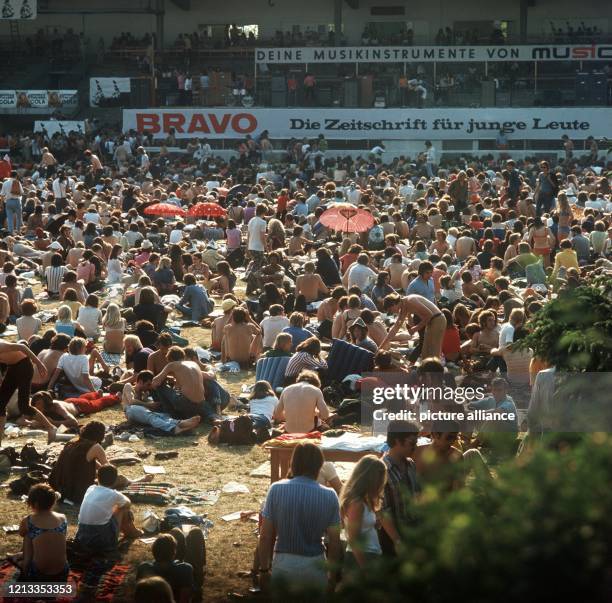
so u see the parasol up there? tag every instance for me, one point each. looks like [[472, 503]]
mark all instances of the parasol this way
[[164, 209], [238, 188], [206, 210], [347, 218]]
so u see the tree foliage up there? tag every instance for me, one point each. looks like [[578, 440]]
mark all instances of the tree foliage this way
[[542, 530], [574, 331]]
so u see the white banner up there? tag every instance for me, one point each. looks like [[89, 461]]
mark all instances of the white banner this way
[[109, 91], [51, 127], [431, 54], [37, 99], [374, 124], [18, 9]]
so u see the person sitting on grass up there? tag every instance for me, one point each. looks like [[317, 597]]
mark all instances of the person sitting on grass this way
[[27, 325], [78, 367], [138, 409], [241, 339], [65, 323], [178, 574], [282, 346], [195, 303], [199, 393], [44, 539], [105, 514]]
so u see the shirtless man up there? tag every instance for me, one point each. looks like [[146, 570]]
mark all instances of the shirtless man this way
[[192, 397], [50, 358], [310, 284], [465, 246], [140, 410], [227, 305], [47, 162], [442, 462], [470, 286], [157, 361], [241, 339], [430, 319], [329, 306], [487, 338], [20, 361]]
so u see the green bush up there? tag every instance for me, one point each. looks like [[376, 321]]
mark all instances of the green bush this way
[[574, 331], [541, 531]]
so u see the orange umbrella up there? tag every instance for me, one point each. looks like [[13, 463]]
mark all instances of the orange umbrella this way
[[206, 210], [347, 218], [164, 209]]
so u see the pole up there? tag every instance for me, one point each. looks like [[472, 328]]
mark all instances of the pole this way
[[535, 77]]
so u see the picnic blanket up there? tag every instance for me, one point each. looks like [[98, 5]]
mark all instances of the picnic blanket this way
[[150, 494], [354, 442], [102, 580]]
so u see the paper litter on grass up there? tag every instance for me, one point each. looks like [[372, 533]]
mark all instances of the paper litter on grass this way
[[154, 469], [247, 515], [262, 471], [235, 488]]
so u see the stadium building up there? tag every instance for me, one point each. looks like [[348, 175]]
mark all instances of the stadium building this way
[[358, 72]]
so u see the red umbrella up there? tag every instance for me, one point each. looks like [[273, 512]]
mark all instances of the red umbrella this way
[[164, 209], [206, 210], [347, 218]]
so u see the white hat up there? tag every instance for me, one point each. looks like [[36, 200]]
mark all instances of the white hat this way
[[146, 244]]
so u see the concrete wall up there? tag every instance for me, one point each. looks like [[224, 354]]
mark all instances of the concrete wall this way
[[426, 17]]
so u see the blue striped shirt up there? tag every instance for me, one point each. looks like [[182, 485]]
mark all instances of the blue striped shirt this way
[[424, 288], [301, 511]]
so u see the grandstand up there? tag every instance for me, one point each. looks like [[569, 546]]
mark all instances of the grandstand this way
[[528, 60]]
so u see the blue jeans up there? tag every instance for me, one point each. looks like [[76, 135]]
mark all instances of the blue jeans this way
[[182, 407], [429, 167], [14, 210], [157, 420], [194, 314], [260, 421]]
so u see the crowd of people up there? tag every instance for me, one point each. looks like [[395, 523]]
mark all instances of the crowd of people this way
[[103, 262]]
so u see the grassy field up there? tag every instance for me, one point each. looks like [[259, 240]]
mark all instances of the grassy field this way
[[230, 545]]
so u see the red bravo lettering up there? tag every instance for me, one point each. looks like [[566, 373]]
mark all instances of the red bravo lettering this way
[[240, 123]]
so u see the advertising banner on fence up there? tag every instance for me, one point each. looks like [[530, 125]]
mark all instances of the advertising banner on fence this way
[[37, 99], [18, 9], [52, 126], [432, 54], [109, 91], [373, 124]]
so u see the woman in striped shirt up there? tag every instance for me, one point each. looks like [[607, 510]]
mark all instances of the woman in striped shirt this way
[[54, 275], [307, 357]]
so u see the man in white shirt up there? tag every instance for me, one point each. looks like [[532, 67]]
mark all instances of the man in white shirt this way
[[256, 233], [61, 186], [360, 274], [104, 514], [273, 325]]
